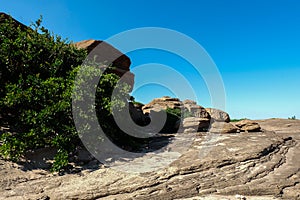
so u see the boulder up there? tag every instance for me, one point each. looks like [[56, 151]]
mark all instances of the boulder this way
[[195, 123], [223, 127], [218, 115], [195, 110], [248, 125], [138, 116], [108, 55]]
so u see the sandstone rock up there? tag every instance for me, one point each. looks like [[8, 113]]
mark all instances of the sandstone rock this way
[[264, 165], [190, 130], [248, 125], [108, 55], [162, 104], [196, 123], [223, 127], [218, 115], [195, 110]]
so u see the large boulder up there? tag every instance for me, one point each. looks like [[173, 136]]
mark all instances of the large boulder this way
[[106, 54], [223, 127], [248, 125], [218, 115], [195, 123]]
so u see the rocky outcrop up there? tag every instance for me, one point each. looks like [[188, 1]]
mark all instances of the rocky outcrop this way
[[195, 110], [248, 125], [222, 166], [197, 118], [162, 104], [218, 115], [108, 55]]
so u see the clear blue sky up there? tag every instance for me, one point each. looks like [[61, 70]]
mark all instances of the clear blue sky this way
[[255, 44]]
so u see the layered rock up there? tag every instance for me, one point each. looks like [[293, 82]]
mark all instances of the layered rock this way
[[248, 125], [162, 104], [248, 164], [195, 110], [195, 124]]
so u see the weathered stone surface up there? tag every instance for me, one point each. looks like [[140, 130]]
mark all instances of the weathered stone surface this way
[[218, 115], [162, 104], [223, 127], [248, 125], [196, 123], [195, 110], [257, 166]]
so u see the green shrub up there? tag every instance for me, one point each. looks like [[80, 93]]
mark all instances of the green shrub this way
[[37, 78], [293, 117], [237, 120]]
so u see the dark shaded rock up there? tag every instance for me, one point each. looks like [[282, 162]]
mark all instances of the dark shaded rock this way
[[138, 116], [218, 115]]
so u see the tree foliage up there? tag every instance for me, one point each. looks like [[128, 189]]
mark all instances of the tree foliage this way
[[37, 77]]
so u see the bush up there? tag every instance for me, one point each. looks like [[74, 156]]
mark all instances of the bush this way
[[37, 76], [293, 117]]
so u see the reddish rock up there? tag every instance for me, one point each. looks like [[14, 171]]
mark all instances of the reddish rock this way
[[106, 54]]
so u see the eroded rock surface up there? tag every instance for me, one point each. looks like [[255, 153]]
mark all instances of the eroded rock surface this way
[[218, 115], [223, 127], [248, 125], [162, 103], [256, 165]]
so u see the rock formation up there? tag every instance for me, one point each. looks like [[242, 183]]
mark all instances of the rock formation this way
[[200, 118], [195, 124], [106, 54], [255, 166], [163, 103], [218, 115], [248, 125], [223, 127]]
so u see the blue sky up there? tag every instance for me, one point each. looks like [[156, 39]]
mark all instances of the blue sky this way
[[255, 44]]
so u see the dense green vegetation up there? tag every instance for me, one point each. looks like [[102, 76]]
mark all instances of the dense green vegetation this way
[[37, 76], [236, 120]]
